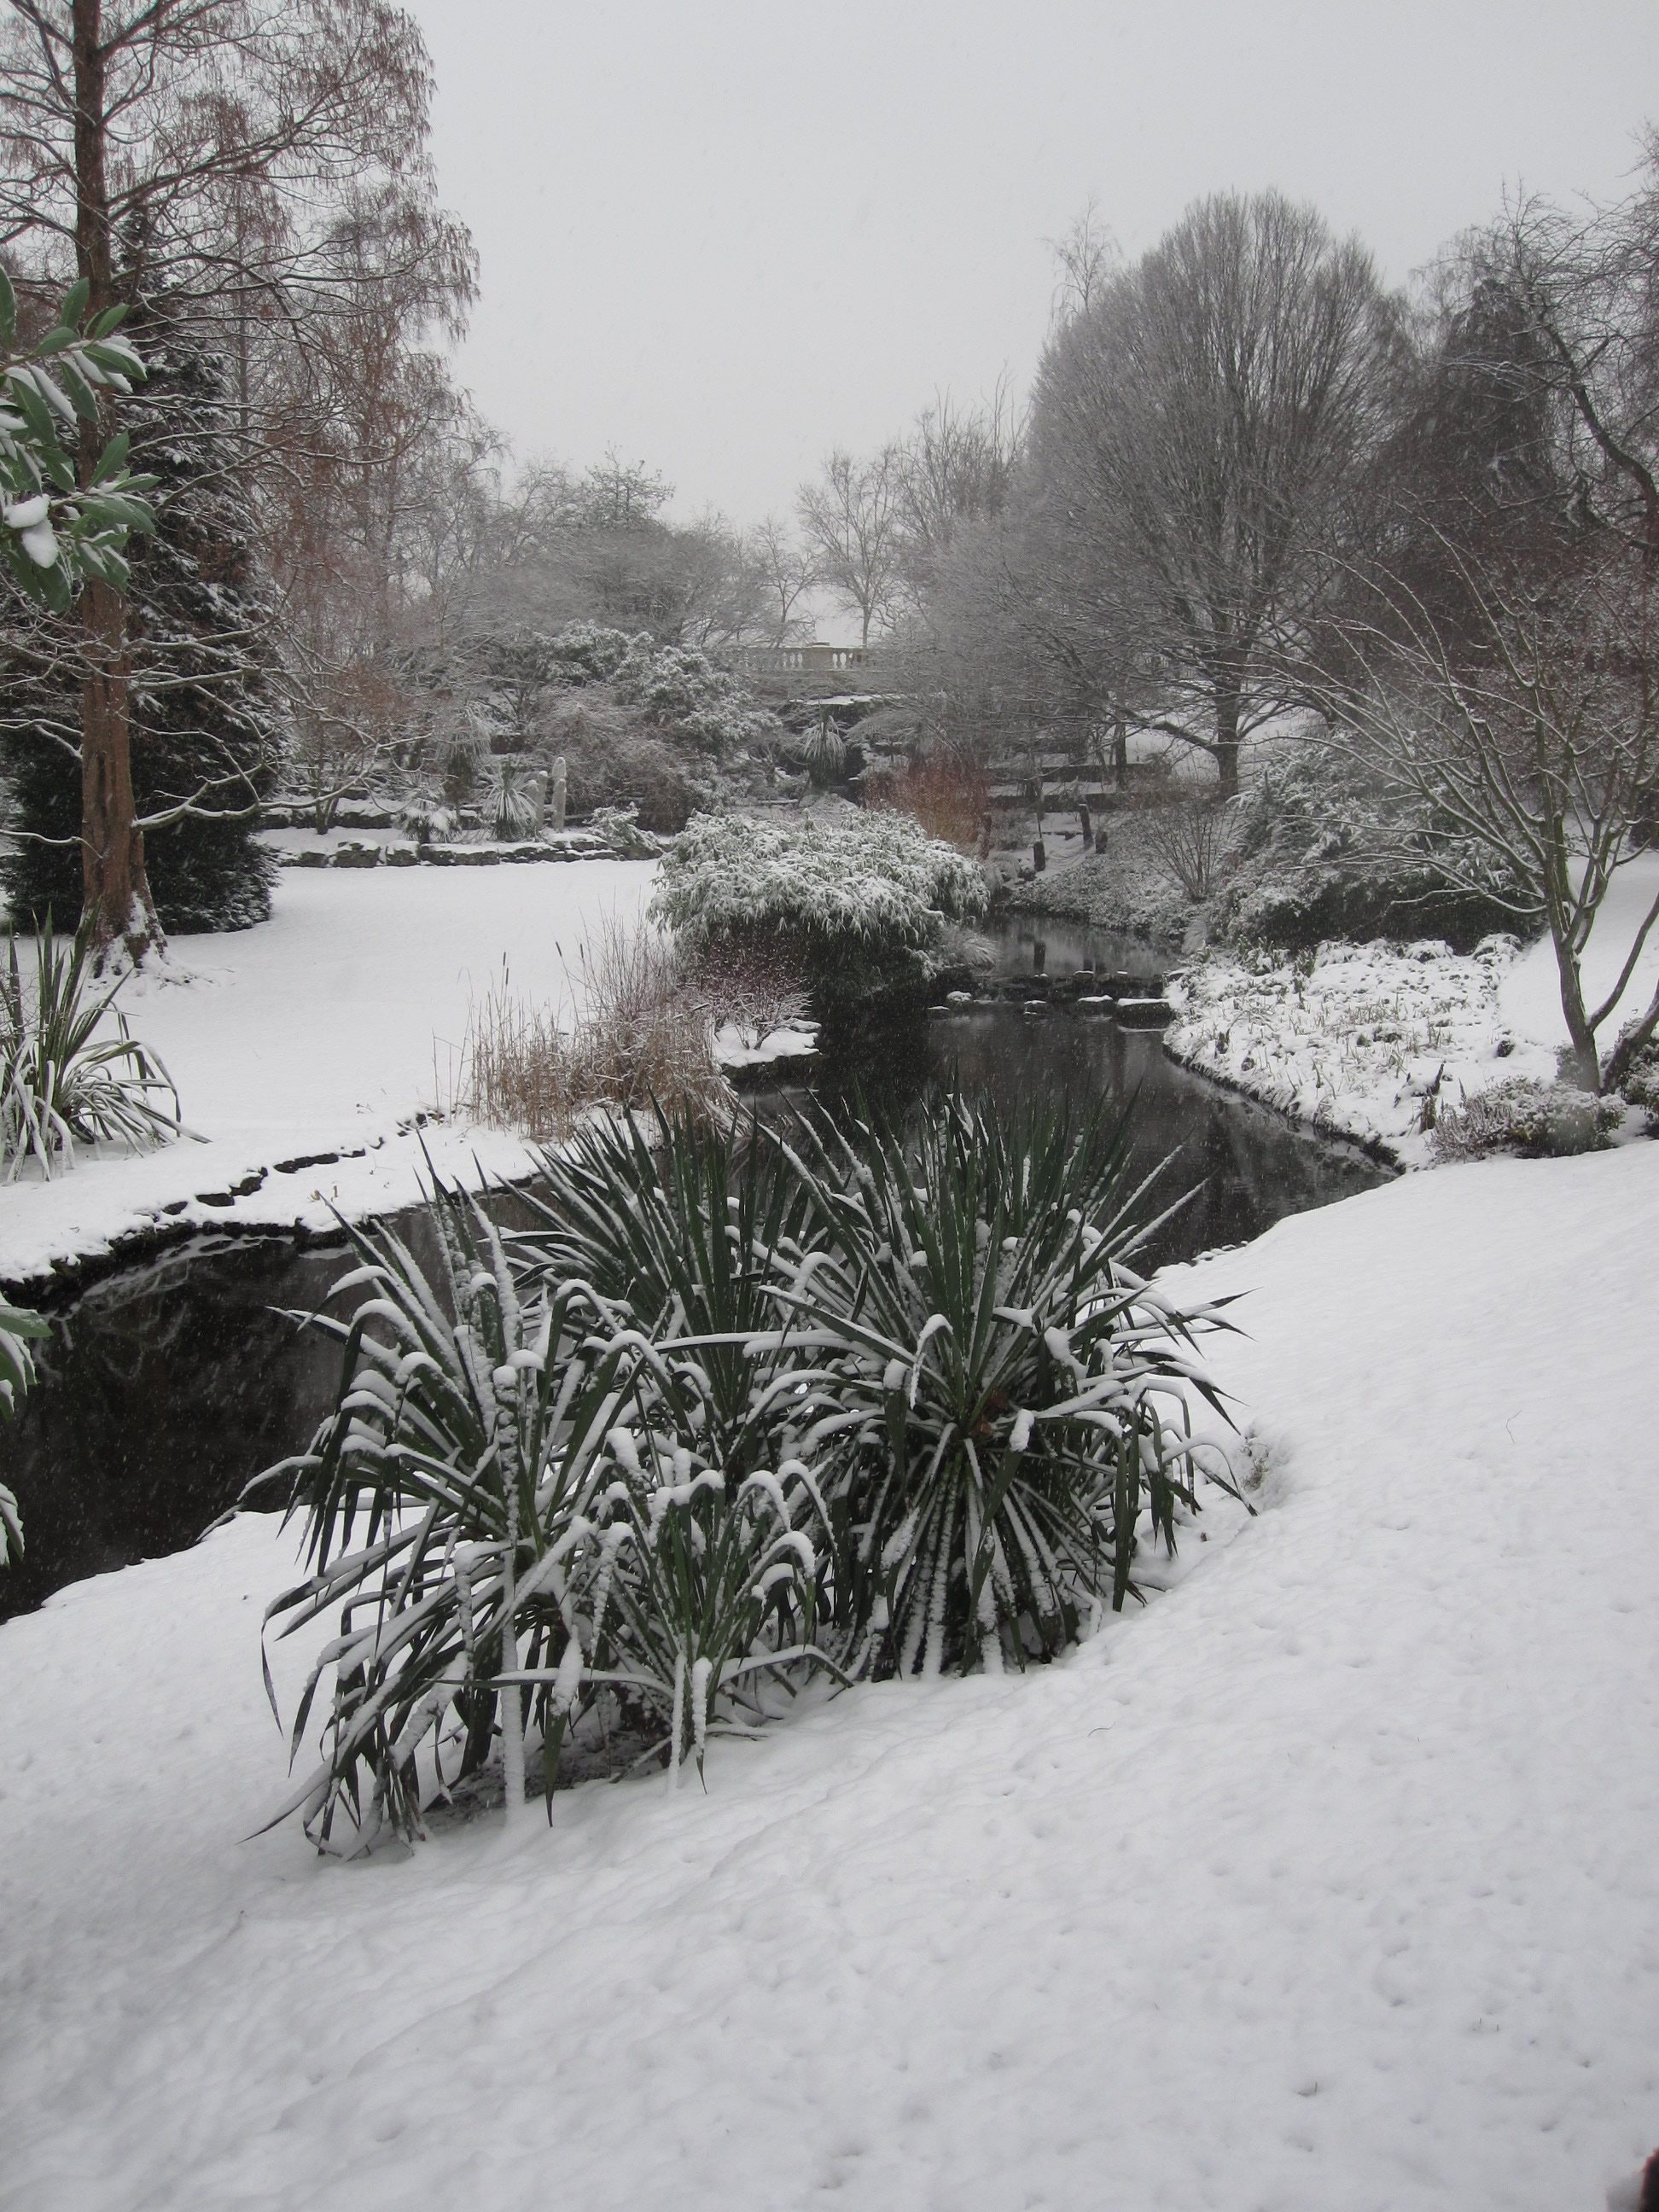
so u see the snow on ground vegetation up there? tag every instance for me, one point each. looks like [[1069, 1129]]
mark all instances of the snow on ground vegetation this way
[[1325, 1880], [1376, 1042], [305, 1049], [1363, 1040]]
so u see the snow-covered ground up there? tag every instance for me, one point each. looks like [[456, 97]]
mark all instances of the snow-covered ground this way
[[325, 1030], [1330, 1880], [1354, 1040]]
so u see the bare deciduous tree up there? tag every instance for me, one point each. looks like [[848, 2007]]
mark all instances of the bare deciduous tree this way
[[788, 570], [1530, 742], [850, 519], [1194, 427]]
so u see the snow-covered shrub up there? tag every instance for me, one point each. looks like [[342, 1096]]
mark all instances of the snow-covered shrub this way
[[1008, 1399], [1320, 852], [427, 820], [855, 902], [62, 1082], [681, 688], [1190, 841], [588, 653], [541, 1470], [1539, 1121], [444, 1501], [612, 760]]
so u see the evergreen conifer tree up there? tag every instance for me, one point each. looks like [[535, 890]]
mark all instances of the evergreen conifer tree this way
[[204, 712]]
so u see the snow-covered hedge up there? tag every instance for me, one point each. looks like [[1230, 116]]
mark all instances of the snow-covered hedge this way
[[874, 878], [856, 904]]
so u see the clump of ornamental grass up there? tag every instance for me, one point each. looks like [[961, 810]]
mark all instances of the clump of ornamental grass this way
[[640, 1033], [64, 1078], [731, 1410]]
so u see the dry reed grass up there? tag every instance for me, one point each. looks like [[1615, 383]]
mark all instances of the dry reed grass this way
[[642, 1033]]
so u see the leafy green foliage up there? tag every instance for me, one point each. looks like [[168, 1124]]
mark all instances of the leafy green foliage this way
[[61, 1081], [727, 1410], [56, 532]]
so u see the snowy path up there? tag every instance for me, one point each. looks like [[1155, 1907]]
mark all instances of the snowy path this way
[[318, 1032], [1329, 1881]]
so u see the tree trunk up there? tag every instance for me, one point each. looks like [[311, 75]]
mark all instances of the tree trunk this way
[[1120, 752], [115, 887], [1586, 1060], [1227, 738]]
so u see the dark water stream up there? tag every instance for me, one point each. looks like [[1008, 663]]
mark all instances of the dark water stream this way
[[163, 1388]]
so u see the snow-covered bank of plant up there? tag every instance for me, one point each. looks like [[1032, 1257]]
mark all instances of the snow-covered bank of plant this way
[[61, 1082], [1371, 1041], [728, 1410], [852, 901]]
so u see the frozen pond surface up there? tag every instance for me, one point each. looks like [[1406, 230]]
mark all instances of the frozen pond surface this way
[[165, 1387]]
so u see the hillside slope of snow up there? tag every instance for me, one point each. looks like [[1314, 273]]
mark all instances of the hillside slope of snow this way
[[1328, 1881]]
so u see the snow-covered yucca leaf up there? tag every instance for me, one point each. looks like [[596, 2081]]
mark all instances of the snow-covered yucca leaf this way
[[444, 1502], [684, 1225], [1012, 1396], [62, 1082]]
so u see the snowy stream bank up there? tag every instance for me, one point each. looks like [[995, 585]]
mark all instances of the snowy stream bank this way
[[1356, 1039]]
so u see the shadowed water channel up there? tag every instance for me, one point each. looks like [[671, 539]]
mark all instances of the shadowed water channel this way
[[163, 1388]]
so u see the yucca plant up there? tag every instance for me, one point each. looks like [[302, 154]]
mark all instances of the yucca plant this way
[[18, 1330], [714, 1587], [494, 1504], [684, 1225], [1019, 1395], [61, 1083], [444, 1501]]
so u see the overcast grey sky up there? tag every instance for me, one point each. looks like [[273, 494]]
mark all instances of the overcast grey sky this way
[[727, 236]]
